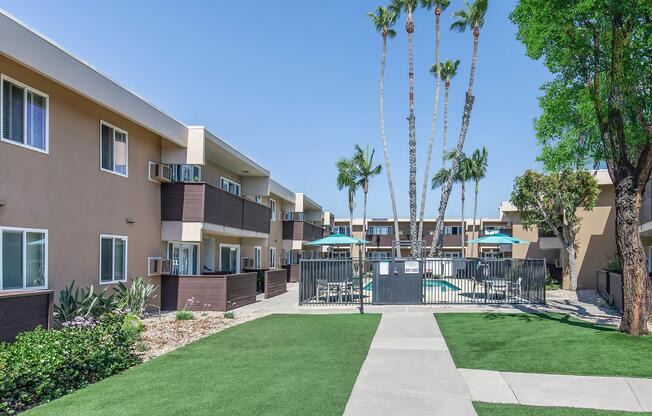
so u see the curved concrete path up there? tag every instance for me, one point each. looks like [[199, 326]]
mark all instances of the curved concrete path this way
[[409, 371]]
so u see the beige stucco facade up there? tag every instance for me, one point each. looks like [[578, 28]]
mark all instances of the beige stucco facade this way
[[66, 193]]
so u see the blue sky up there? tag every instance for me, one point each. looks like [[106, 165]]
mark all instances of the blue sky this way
[[294, 84]]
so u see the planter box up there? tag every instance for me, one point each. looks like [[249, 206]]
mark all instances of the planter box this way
[[22, 311], [275, 283], [610, 284], [210, 293]]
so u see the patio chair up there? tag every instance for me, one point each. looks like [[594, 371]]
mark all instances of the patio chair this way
[[322, 287], [515, 288]]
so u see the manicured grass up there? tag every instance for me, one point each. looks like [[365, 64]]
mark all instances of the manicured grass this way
[[277, 365], [486, 409], [547, 343]]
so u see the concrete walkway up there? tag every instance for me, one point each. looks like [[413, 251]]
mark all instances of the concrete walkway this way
[[607, 393], [409, 371]]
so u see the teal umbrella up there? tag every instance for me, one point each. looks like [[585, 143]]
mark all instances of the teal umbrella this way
[[498, 238], [337, 240]]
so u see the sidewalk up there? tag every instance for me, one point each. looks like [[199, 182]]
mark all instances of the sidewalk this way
[[409, 371], [606, 393]]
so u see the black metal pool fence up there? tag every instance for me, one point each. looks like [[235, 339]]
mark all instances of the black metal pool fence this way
[[422, 281]]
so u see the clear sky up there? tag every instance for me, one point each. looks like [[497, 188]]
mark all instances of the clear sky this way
[[294, 84]]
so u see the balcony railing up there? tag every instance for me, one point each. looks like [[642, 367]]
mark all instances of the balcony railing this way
[[302, 230], [386, 240], [201, 202]]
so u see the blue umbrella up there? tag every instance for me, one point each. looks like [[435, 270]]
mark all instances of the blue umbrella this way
[[337, 240], [498, 238]]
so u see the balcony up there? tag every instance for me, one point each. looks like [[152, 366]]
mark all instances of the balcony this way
[[386, 240], [301, 230], [201, 202]]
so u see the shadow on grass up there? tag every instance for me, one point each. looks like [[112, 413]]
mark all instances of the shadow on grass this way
[[559, 318]]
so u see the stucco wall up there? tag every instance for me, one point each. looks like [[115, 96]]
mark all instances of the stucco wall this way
[[66, 193]]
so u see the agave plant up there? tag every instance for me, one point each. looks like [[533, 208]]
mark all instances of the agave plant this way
[[85, 303], [136, 298]]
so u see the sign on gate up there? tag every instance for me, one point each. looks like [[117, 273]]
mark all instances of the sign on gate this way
[[411, 267]]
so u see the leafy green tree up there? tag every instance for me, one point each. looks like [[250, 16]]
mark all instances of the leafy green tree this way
[[363, 162], [448, 72], [463, 175], [409, 6], [473, 17], [478, 168], [347, 178], [599, 107], [439, 6], [383, 20], [551, 202]]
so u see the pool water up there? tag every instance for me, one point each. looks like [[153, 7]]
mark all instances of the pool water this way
[[443, 285]]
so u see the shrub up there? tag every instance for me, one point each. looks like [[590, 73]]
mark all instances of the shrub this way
[[42, 365], [184, 315], [136, 298], [75, 302], [614, 265], [229, 315]]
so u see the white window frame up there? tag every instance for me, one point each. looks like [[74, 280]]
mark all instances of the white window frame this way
[[118, 129], [259, 250], [222, 178], [198, 259], [272, 257], [24, 231], [25, 88], [272, 206], [238, 252], [114, 237]]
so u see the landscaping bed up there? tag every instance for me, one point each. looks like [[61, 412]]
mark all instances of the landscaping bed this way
[[487, 409], [543, 343], [275, 365]]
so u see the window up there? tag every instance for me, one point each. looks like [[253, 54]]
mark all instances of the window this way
[[24, 115], [378, 255], [186, 173], [342, 229], [230, 186], [23, 258], [452, 230], [380, 230], [272, 206], [184, 258], [113, 259], [257, 257], [272, 257], [113, 149]]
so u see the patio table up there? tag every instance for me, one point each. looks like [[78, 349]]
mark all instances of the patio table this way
[[494, 284]]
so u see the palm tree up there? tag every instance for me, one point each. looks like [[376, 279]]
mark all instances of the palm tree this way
[[478, 167], [347, 178], [439, 6], [463, 175], [472, 17], [383, 21], [363, 162], [448, 71], [408, 6]]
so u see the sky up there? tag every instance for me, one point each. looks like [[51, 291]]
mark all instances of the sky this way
[[294, 85]]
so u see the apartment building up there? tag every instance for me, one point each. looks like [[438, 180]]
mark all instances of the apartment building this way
[[98, 186]]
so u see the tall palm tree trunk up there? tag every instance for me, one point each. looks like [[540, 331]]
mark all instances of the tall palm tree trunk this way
[[437, 241], [463, 227], [385, 147], [475, 216], [443, 153], [412, 143], [426, 173], [364, 218], [351, 207]]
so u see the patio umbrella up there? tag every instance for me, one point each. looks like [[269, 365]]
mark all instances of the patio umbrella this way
[[498, 238], [337, 240]]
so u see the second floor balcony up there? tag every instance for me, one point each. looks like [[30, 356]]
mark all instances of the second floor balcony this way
[[302, 230], [202, 202]]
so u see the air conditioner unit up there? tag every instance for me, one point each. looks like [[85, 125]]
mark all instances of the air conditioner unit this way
[[160, 172], [157, 266]]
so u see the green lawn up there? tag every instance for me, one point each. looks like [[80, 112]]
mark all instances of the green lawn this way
[[547, 343], [486, 409], [277, 365]]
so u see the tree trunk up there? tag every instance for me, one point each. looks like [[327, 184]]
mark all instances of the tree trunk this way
[[351, 207], [431, 141], [443, 153], [462, 221], [364, 218], [636, 282], [475, 216], [412, 143], [474, 60], [438, 239], [390, 183]]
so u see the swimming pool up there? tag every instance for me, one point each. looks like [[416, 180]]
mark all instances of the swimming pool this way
[[443, 285]]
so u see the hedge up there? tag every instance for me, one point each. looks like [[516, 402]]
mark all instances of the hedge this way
[[42, 365]]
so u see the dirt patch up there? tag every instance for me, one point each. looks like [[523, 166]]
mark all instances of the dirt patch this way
[[163, 333]]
